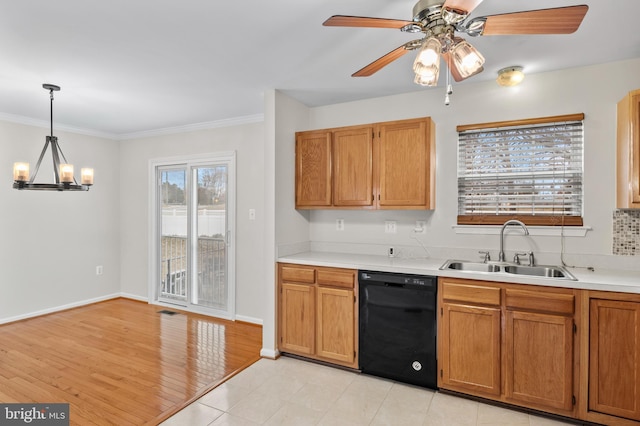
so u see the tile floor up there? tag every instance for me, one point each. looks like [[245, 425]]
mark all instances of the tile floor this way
[[289, 391]]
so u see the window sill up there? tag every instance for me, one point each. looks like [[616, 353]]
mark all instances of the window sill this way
[[567, 231]]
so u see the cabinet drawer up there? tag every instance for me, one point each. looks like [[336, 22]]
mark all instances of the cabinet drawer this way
[[524, 300], [345, 278], [471, 293], [298, 274]]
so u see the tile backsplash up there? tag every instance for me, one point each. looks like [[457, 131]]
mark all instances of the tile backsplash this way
[[626, 232]]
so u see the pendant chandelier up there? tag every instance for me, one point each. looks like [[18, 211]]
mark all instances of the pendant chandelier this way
[[62, 171]]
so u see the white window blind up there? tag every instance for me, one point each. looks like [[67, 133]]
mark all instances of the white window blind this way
[[521, 170]]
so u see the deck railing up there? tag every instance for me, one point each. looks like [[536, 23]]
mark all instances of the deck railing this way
[[211, 287]]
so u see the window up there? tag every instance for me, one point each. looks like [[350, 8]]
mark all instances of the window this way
[[529, 170]]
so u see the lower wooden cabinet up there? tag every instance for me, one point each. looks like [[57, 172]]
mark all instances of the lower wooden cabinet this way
[[469, 338], [297, 318], [317, 313], [614, 361], [335, 330], [539, 342], [574, 353], [509, 343]]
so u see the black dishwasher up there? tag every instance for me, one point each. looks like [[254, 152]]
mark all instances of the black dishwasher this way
[[397, 332]]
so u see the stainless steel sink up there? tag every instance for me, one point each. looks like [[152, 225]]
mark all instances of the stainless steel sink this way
[[539, 271], [545, 271], [461, 265]]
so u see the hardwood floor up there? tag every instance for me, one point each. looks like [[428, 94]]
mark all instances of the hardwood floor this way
[[121, 362]]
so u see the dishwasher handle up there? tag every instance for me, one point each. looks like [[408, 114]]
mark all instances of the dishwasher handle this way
[[397, 280]]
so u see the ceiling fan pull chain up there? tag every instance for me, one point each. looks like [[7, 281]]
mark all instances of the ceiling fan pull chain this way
[[447, 100]]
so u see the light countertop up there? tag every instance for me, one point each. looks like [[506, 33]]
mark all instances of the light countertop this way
[[599, 279]]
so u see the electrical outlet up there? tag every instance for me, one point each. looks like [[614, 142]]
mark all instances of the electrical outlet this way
[[391, 252], [339, 224], [390, 226], [99, 270], [252, 214], [421, 227]]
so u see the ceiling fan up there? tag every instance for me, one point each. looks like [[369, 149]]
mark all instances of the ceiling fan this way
[[439, 21]]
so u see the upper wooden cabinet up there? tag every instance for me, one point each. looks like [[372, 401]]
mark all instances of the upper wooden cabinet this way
[[313, 169], [628, 158], [352, 157], [388, 165], [407, 164]]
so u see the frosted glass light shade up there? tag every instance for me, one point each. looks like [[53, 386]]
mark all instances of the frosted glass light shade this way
[[510, 76], [427, 62], [20, 172], [86, 176], [66, 173], [466, 59]]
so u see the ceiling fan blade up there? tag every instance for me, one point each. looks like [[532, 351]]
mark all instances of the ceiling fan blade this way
[[560, 20], [364, 22], [383, 61], [454, 71], [464, 6]]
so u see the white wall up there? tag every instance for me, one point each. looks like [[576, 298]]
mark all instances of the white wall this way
[[292, 226], [288, 228], [248, 142], [592, 90], [53, 241]]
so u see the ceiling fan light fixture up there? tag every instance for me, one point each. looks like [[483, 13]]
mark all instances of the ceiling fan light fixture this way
[[510, 76], [427, 62], [466, 58], [426, 80]]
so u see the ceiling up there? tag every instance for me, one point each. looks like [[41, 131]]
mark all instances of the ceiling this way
[[127, 67]]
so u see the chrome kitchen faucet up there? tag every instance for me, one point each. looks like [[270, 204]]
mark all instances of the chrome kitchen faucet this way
[[501, 257]]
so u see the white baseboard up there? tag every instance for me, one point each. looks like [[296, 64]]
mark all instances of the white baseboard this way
[[269, 353], [28, 315], [250, 320], [59, 308], [135, 297]]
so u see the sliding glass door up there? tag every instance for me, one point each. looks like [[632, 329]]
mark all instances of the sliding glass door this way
[[194, 211]]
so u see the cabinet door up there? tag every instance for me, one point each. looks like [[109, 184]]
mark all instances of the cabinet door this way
[[405, 166], [628, 152], [336, 324], [353, 167], [470, 349], [539, 359], [614, 358], [313, 169], [297, 318]]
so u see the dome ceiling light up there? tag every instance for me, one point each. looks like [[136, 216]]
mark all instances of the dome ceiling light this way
[[510, 76]]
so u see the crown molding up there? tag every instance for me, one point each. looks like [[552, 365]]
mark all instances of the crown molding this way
[[248, 119], [19, 119]]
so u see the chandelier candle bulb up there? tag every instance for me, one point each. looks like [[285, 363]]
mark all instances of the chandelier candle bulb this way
[[66, 173], [21, 172], [86, 176]]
